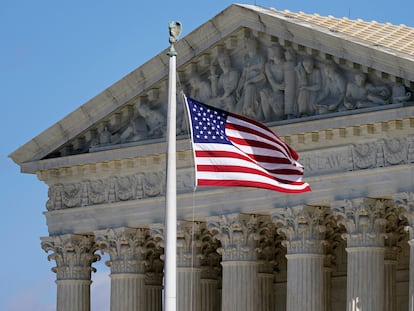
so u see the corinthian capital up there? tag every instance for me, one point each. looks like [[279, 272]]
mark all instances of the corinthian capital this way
[[237, 234], [302, 227], [125, 247], [73, 254], [405, 205], [364, 221], [188, 243]]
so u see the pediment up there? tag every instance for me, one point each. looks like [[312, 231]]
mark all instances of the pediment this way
[[260, 63]]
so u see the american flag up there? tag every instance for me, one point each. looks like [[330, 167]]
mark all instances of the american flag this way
[[232, 150]]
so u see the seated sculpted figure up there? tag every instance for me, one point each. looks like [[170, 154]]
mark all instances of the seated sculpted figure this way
[[360, 94], [333, 92], [309, 83], [251, 81], [272, 98]]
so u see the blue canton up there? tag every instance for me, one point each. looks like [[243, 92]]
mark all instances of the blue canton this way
[[209, 123]]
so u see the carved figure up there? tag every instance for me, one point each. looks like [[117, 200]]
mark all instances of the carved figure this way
[[399, 94], [272, 98], [290, 83], [333, 92], [154, 119], [225, 88], [200, 89], [251, 81], [360, 94], [104, 136], [309, 82], [135, 130]]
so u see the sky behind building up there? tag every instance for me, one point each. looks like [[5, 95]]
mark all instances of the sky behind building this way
[[57, 55]]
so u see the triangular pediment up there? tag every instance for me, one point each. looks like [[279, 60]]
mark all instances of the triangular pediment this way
[[270, 65]]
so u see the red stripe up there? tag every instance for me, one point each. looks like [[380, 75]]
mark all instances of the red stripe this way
[[248, 157], [244, 183], [221, 154]]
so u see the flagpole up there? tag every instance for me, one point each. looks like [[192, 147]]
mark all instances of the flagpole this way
[[170, 237]]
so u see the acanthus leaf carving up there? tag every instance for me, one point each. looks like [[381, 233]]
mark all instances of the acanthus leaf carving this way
[[73, 254]]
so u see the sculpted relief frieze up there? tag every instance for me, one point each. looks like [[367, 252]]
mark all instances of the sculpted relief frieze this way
[[255, 75], [368, 155]]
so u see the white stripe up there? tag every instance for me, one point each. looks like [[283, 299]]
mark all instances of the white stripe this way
[[248, 177]]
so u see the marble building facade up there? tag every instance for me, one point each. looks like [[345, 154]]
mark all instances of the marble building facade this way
[[342, 100]]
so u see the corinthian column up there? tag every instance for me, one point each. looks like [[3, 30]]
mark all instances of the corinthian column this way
[[154, 274], [74, 255], [188, 266], [365, 225], [303, 231], [237, 234], [266, 259], [127, 254], [405, 204], [210, 273], [333, 238]]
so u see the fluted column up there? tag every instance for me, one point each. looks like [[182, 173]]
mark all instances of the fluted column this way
[[125, 247], [365, 225], [74, 255], [303, 231], [210, 273], [188, 266], [333, 239], [238, 236], [154, 272], [405, 205], [266, 259], [395, 233]]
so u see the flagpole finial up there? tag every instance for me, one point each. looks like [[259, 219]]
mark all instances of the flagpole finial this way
[[175, 31]]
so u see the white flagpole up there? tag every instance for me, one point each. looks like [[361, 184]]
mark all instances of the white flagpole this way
[[170, 237]]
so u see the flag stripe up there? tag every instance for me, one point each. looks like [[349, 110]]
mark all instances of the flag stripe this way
[[249, 183], [221, 158], [244, 133]]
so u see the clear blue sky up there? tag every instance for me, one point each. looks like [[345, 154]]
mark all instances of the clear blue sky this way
[[55, 56]]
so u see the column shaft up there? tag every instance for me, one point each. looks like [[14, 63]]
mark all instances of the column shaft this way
[[266, 292], [390, 292], [411, 286], [209, 295], [188, 289], [327, 288], [73, 295], [128, 292], [240, 286], [305, 282], [154, 297], [365, 282]]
